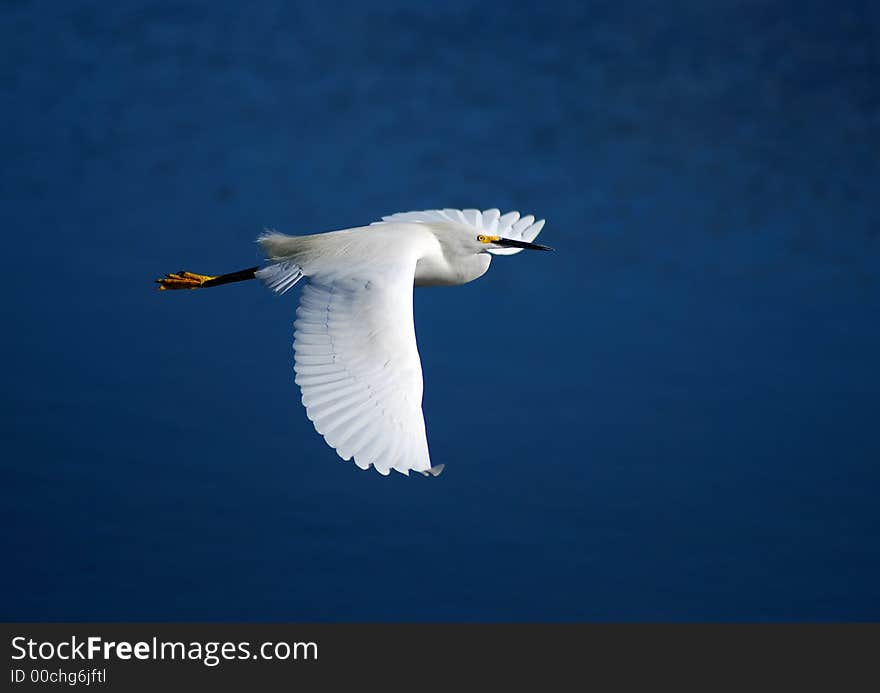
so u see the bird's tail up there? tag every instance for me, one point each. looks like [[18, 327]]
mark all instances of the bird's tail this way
[[280, 276], [284, 268]]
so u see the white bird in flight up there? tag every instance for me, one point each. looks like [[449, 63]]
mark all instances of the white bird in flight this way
[[355, 353]]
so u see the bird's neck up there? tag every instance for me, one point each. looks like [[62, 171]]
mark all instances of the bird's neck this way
[[436, 269]]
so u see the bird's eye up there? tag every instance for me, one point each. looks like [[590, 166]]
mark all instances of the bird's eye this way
[[482, 239]]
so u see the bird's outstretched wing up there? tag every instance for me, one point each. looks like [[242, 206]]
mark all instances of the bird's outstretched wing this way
[[490, 222], [357, 364]]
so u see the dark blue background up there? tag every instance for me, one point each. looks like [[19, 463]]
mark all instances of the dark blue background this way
[[675, 416]]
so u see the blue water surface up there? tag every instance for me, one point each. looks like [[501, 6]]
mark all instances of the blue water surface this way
[[673, 417]]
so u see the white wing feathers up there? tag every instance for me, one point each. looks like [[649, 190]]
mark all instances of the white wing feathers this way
[[490, 222], [355, 352], [358, 366]]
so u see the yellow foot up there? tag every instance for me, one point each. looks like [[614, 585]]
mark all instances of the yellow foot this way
[[182, 280]]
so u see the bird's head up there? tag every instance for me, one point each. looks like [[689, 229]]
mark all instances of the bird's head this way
[[484, 243]]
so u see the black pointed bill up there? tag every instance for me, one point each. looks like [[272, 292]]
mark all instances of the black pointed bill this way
[[510, 243]]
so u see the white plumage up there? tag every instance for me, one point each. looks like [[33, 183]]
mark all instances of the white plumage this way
[[355, 353], [491, 222]]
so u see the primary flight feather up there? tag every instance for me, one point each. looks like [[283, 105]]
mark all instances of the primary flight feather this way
[[355, 353]]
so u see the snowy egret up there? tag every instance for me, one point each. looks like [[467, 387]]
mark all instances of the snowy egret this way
[[355, 353]]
